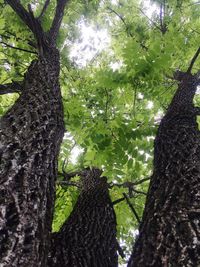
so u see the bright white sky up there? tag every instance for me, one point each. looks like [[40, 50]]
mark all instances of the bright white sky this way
[[93, 40]]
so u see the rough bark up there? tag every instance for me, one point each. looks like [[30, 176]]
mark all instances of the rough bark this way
[[30, 136], [169, 234], [88, 237]]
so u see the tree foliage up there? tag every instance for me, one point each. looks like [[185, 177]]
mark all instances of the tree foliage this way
[[114, 102]]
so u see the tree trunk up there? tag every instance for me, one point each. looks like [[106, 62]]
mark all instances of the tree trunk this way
[[169, 234], [88, 237], [31, 133], [30, 136]]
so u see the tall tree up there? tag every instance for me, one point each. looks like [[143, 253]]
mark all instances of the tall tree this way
[[170, 231], [31, 133], [88, 237]]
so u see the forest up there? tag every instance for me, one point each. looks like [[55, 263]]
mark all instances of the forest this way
[[99, 133]]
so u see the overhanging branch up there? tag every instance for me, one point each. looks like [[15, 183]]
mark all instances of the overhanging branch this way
[[14, 87], [18, 48]]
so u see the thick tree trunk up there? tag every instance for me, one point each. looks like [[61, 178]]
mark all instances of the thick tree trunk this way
[[88, 237], [30, 136], [170, 229]]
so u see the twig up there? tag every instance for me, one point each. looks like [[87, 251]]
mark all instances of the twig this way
[[193, 60], [122, 19], [149, 19], [126, 26], [132, 208]]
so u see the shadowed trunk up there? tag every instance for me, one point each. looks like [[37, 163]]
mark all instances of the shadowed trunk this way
[[88, 237], [31, 133], [169, 234], [30, 136]]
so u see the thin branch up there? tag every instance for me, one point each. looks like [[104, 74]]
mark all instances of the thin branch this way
[[68, 183], [122, 19], [44, 9], [126, 26], [14, 87], [18, 48], [129, 184], [21, 12], [193, 60], [118, 201], [9, 34], [53, 33], [68, 176], [132, 208], [156, 26], [139, 192], [32, 22], [142, 181]]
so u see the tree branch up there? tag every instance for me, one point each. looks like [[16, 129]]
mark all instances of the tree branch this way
[[68, 176], [122, 19], [118, 201], [129, 184], [131, 207], [18, 48], [8, 35], [29, 19], [21, 12], [129, 33], [14, 87], [53, 33], [68, 183], [44, 9], [193, 60]]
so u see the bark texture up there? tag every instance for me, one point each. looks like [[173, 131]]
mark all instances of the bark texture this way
[[169, 234], [88, 237], [30, 136], [31, 133]]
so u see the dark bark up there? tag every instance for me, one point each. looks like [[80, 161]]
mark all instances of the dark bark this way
[[30, 136], [169, 234], [31, 133], [88, 237]]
